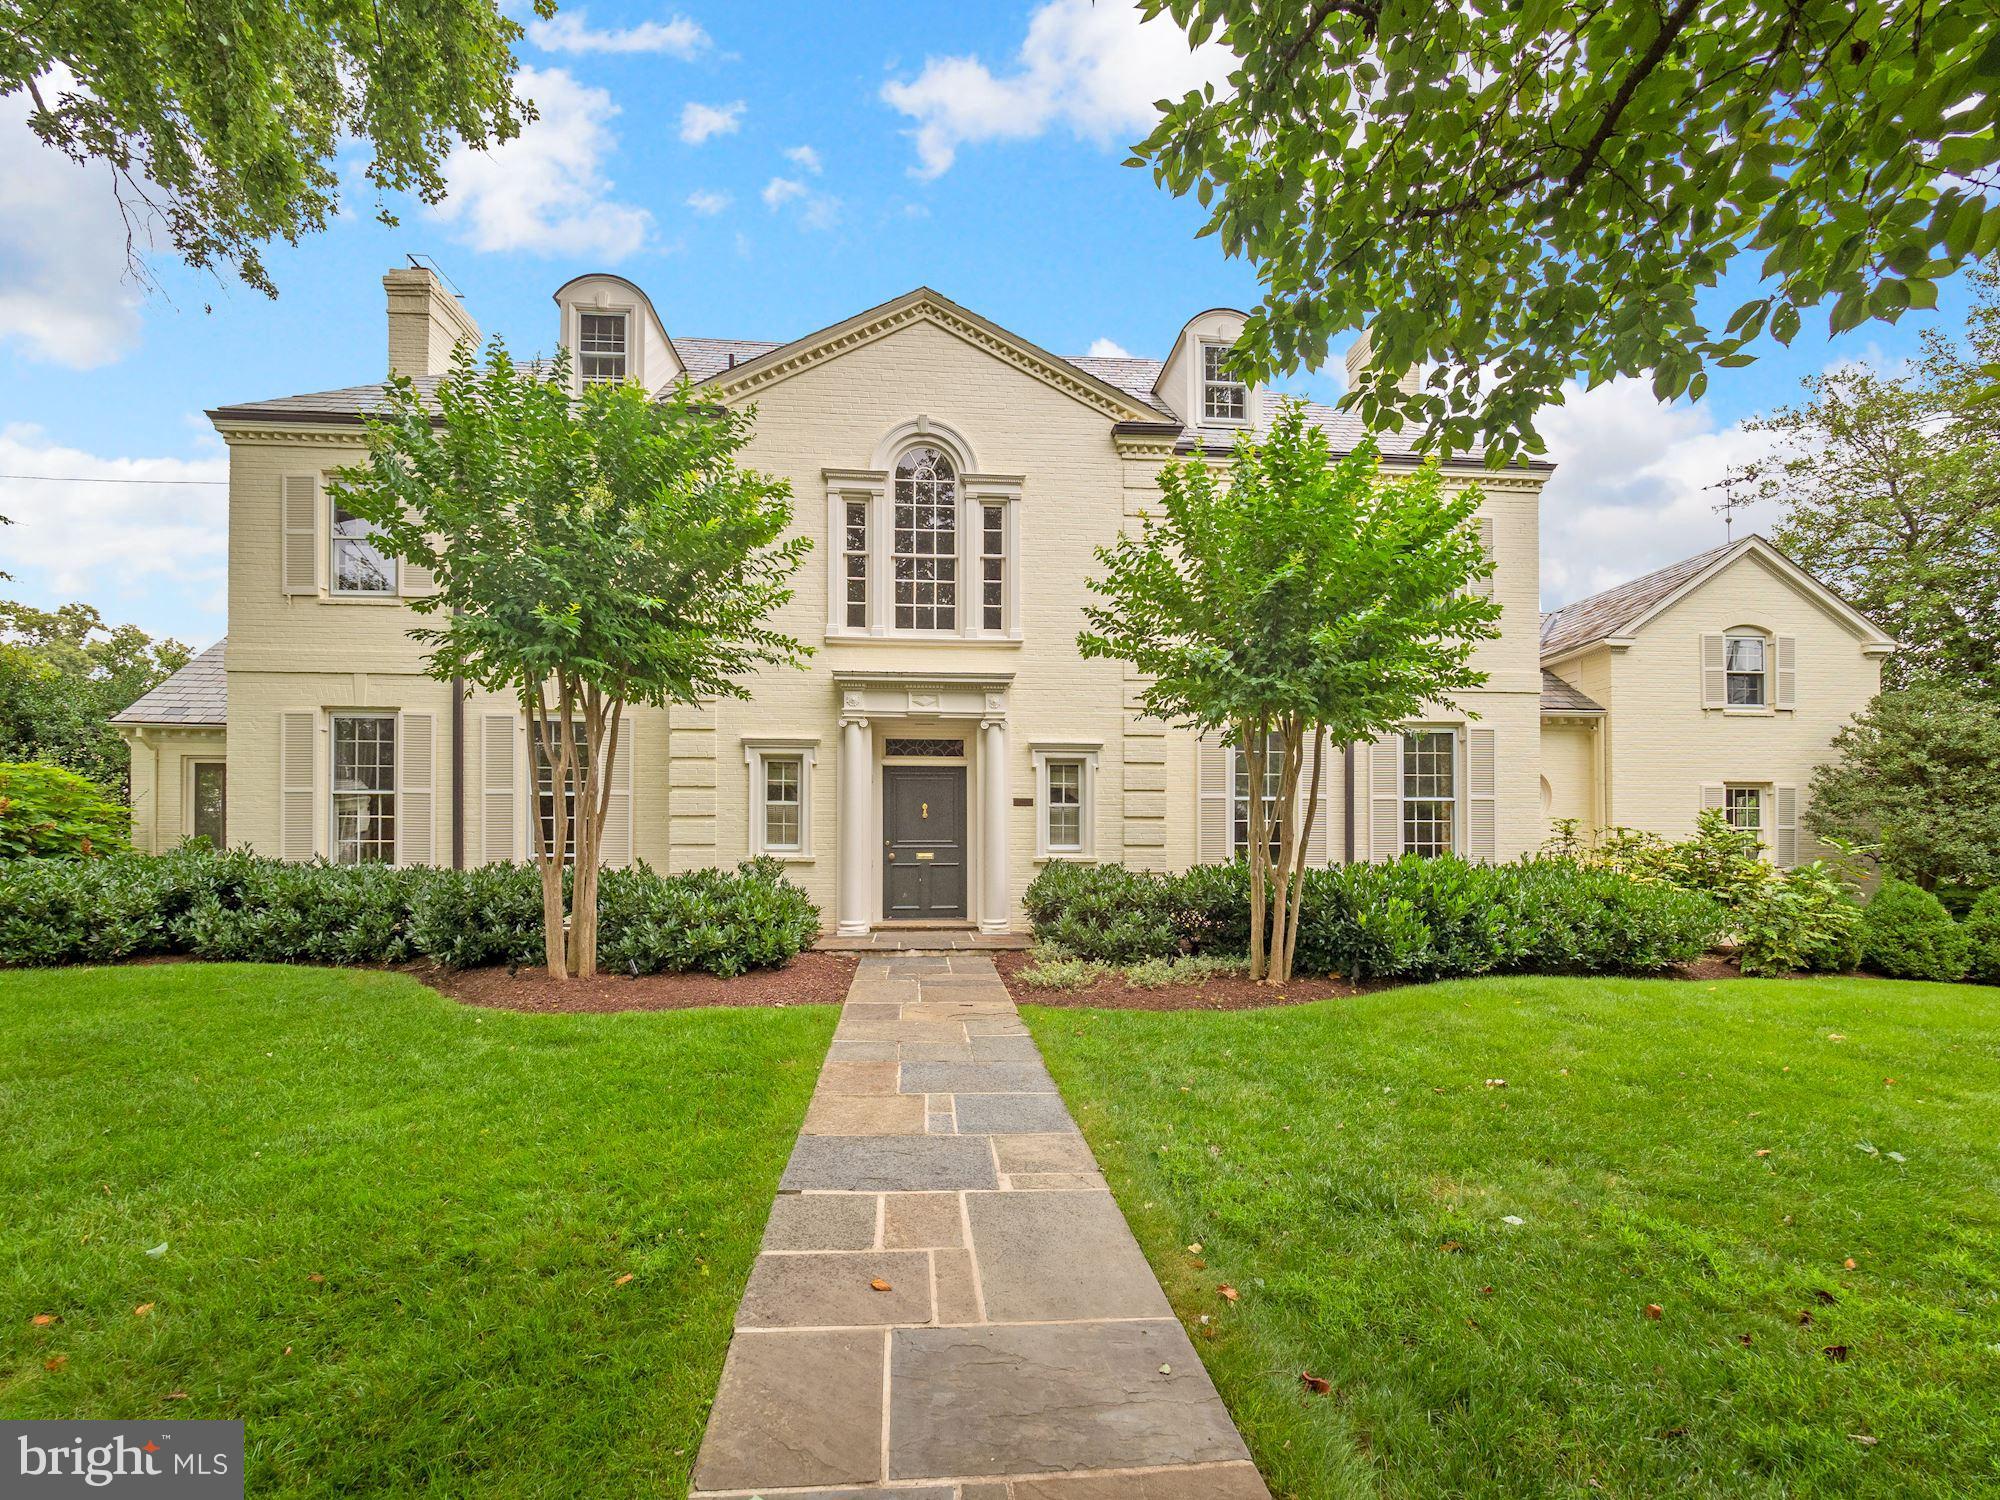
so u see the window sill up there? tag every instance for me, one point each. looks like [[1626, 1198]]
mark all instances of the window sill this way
[[1749, 713], [377, 600], [784, 857], [917, 638], [1072, 856]]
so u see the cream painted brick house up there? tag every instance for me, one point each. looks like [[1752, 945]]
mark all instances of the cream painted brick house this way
[[946, 738]]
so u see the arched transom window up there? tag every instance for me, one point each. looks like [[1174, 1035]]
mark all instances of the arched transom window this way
[[924, 556]]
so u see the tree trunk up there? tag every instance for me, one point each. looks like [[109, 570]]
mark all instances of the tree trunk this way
[[1289, 731], [1288, 950], [1258, 853], [548, 861]]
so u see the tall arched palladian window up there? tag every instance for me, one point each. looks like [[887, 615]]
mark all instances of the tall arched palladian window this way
[[923, 555]]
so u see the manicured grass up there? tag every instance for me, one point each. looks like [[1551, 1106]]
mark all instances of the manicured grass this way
[[1347, 1168], [394, 1227]]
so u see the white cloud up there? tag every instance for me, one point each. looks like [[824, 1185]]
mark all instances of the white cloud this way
[[781, 190], [546, 191], [707, 202], [1635, 486], [1108, 349], [64, 292], [816, 210], [151, 552], [1094, 68], [570, 32], [806, 158], [700, 121]]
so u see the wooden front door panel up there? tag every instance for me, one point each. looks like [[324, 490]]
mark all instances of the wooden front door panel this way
[[923, 836]]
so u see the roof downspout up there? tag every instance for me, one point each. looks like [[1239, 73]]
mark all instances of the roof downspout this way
[[458, 773], [1347, 794]]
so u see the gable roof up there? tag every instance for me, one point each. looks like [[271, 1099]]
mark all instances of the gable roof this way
[[197, 694], [1559, 697], [1620, 610]]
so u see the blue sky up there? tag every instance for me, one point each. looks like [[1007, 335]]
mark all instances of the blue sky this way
[[761, 172]]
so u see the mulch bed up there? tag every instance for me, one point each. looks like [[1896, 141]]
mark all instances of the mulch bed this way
[[1220, 993], [809, 979]]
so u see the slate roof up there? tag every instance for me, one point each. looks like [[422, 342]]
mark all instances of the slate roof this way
[[1610, 613], [1558, 697], [197, 694]]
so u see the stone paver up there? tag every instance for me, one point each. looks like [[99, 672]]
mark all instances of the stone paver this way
[[1017, 1347]]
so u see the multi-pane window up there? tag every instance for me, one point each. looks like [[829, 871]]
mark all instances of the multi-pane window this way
[[784, 801], [1743, 807], [1274, 767], [925, 554], [855, 555], [1430, 791], [993, 567], [364, 789], [1065, 809], [210, 795], [360, 566], [547, 744], [1224, 398], [1743, 660], [600, 347]]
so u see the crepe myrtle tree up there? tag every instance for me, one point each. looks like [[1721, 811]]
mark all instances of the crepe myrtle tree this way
[[590, 554], [1296, 600], [1518, 195]]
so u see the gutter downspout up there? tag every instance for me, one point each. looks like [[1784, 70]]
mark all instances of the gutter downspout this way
[[458, 773], [1347, 792]]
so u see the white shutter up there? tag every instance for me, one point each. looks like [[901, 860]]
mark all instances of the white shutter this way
[[1484, 586], [499, 804], [415, 580], [616, 847], [299, 505], [1385, 799], [416, 790], [1482, 837], [298, 748], [1714, 673], [1785, 828], [1712, 799], [1316, 841], [1788, 672], [1213, 835]]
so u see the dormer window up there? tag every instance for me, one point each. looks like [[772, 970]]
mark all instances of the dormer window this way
[[1223, 397], [602, 346]]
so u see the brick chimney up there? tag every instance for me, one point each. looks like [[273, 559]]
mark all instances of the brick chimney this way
[[1362, 351], [426, 322]]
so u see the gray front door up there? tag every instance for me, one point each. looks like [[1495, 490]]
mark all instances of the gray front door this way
[[923, 834]]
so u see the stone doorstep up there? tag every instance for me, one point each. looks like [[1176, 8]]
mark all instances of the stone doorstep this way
[[1224, 1481]]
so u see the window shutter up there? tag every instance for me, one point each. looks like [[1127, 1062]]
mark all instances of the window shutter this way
[[1714, 673], [1785, 828], [1711, 796], [499, 805], [1484, 586], [300, 507], [1788, 672], [615, 849], [415, 580], [1316, 841], [416, 791], [1213, 835], [1482, 835], [298, 746], [1385, 799]]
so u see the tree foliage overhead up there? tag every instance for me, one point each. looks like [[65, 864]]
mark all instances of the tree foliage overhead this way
[[1296, 602], [1918, 777], [1890, 482], [589, 555], [1524, 193], [219, 120]]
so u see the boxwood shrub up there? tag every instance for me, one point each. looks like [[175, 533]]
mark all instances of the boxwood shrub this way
[[237, 906], [1410, 919], [1907, 934]]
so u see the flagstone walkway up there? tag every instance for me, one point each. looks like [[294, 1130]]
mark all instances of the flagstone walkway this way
[[948, 1305]]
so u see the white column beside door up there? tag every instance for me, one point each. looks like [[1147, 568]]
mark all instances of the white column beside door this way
[[993, 902], [856, 839]]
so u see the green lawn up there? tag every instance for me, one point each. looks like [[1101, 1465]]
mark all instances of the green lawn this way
[[395, 1227], [1346, 1167]]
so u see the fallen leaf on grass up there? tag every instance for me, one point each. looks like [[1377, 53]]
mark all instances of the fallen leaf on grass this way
[[1864, 1439], [43, 1320], [142, 1309], [1848, 1264], [879, 1285], [1451, 1247], [177, 1395], [1836, 1352], [1763, 1150], [158, 1250], [1486, 1291], [1319, 1385], [1823, 1297], [1655, 1311], [1836, 1036], [1199, 1264], [1805, 1319], [1496, 1083], [315, 1277], [1229, 1293], [1195, 1248], [623, 1279], [55, 1363], [1743, 1339], [1512, 1219]]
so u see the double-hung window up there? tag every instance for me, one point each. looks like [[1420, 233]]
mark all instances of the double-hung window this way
[[993, 567], [1744, 659], [1065, 810], [208, 802], [1743, 808], [854, 562], [364, 789], [602, 356], [1239, 805], [547, 744], [925, 535], [360, 566], [1224, 398], [1430, 791], [784, 803]]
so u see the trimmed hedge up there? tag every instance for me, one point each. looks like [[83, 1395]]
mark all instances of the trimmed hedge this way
[[1410, 919], [1982, 933], [237, 906], [1907, 934]]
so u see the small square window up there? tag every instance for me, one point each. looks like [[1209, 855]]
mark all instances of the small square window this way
[[601, 347], [1224, 398]]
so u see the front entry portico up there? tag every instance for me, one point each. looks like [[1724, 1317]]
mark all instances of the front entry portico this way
[[924, 841]]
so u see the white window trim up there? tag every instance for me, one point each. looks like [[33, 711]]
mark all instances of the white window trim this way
[[189, 766], [1202, 384], [805, 750], [1087, 752], [393, 594], [333, 792], [1766, 810], [1459, 798], [1769, 674], [635, 342], [1237, 755], [874, 488]]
